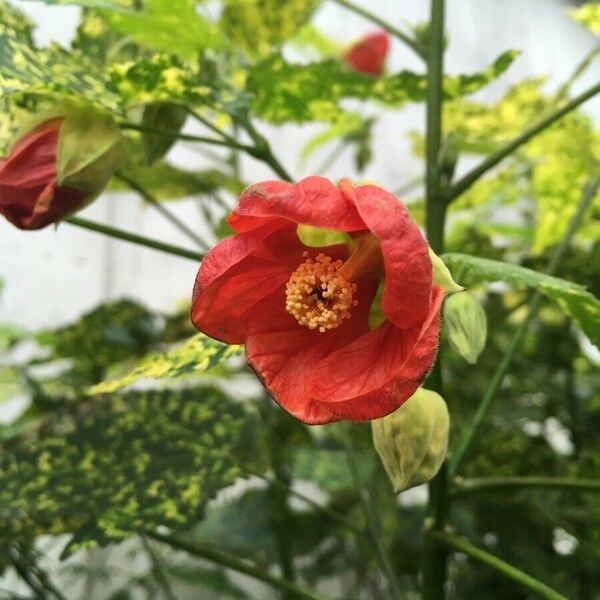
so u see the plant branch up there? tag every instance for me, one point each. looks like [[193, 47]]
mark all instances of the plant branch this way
[[174, 133], [368, 509], [463, 487], [126, 236], [262, 149], [403, 37], [157, 570], [231, 562], [435, 556], [461, 545], [491, 161], [332, 514], [464, 445], [587, 60], [166, 213]]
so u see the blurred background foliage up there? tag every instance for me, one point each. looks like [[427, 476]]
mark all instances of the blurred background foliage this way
[[132, 438]]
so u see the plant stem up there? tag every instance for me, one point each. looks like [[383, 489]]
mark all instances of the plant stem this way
[[409, 186], [587, 196], [435, 205], [463, 487], [220, 558], [174, 133], [369, 512], [403, 37], [435, 557], [208, 124], [134, 238], [163, 210], [461, 545], [262, 149], [587, 60], [157, 570], [491, 161], [332, 514], [34, 576]]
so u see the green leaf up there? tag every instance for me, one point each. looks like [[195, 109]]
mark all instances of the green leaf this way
[[122, 465], [172, 26], [110, 333], [574, 299], [196, 355], [257, 25], [299, 93], [589, 16], [55, 72], [16, 21]]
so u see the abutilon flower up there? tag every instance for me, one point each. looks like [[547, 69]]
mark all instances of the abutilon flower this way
[[61, 162], [303, 312], [368, 55]]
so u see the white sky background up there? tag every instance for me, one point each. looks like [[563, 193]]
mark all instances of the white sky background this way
[[52, 276]]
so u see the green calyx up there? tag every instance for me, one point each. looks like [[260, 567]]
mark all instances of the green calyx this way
[[90, 148], [413, 440], [466, 325]]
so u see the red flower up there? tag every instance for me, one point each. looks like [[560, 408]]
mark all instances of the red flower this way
[[30, 196], [368, 54], [302, 312]]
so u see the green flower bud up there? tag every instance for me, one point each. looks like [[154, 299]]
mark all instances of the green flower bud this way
[[164, 115], [412, 441], [466, 325]]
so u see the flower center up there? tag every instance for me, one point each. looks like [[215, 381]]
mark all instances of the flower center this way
[[318, 294]]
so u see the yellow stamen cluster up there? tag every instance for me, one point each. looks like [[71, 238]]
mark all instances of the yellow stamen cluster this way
[[318, 295]]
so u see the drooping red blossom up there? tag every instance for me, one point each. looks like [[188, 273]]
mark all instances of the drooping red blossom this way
[[30, 197], [303, 312], [368, 55]]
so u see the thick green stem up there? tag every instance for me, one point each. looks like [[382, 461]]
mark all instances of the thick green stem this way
[[435, 557], [463, 487], [403, 37], [178, 223], [464, 445], [461, 545], [231, 562], [134, 238], [369, 512], [491, 161]]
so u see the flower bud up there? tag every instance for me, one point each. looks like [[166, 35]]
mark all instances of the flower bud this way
[[60, 161], [466, 325], [412, 441], [369, 53]]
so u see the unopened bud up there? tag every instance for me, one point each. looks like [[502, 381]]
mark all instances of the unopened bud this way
[[466, 325], [412, 441]]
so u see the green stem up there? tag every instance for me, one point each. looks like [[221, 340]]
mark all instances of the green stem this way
[[332, 514], [435, 555], [208, 124], [464, 445], [262, 149], [231, 562], [409, 186], [167, 214], [435, 205], [174, 133], [491, 161], [463, 487], [134, 238], [461, 545], [157, 570], [369, 512], [587, 60], [331, 158], [403, 37]]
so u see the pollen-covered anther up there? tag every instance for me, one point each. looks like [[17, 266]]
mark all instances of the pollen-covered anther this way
[[318, 295]]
